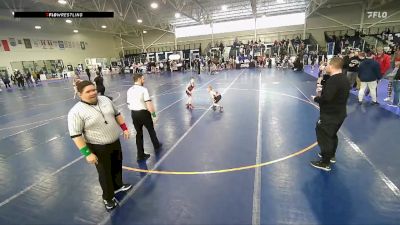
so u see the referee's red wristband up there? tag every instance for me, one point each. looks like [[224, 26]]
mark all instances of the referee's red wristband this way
[[123, 127]]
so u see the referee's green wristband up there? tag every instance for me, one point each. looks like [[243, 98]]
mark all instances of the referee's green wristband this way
[[153, 114], [85, 151]]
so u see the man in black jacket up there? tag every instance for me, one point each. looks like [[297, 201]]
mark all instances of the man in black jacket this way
[[346, 62], [369, 74], [352, 71], [332, 104], [88, 72]]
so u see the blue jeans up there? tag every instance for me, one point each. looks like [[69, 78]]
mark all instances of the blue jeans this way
[[396, 89]]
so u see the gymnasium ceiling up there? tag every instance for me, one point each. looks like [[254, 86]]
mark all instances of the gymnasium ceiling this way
[[192, 12]]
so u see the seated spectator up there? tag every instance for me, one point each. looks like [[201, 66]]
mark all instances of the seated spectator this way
[[297, 65]]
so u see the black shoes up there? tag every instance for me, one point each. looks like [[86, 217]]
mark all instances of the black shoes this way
[[321, 165], [374, 103], [110, 205], [143, 158], [113, 203], [214, 108], [146, 156], [124, 188], [158, 147], [333, 159]]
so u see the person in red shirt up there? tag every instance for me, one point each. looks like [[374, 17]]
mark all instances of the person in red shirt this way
[[384, 64], [383, 60]]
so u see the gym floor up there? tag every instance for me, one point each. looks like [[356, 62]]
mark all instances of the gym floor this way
[[247, 165]]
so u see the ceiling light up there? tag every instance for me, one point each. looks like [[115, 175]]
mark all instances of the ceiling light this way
[[224, 7], [104, 26], [145, 32], [139, 21], [62, 2], [263, 16], [154, 5], [177, 15], [38, 27], [68, 21], [280, 1], [12, 13], [75, 31]]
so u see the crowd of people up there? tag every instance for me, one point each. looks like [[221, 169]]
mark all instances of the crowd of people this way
[[365, 70], [20, 79], [343, 41], [32, 79]]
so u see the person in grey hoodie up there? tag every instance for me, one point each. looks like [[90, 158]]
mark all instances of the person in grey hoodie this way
[[369, 73]]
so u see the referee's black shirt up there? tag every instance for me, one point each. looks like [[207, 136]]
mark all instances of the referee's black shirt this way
[[334, 96]]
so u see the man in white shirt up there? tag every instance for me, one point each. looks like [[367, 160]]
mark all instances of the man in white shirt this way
[[142, 112]]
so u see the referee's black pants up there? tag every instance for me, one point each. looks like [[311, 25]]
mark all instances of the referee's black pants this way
[[143, 118], [109, 167], [326, 129]]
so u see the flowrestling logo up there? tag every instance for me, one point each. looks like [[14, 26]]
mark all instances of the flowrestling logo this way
[[377, 14], [64, 14]]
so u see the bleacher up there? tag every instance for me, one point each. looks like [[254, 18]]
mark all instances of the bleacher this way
[[365, 39]]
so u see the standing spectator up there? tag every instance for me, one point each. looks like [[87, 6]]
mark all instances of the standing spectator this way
[[88, 72], [99, 84], [94, 125], [332, 104], [168, 65], [313, 58], [352, 71], [6, 81], [396, 85], [369, 73], [346, 62], [77, 71], [100, 70], [20, 79], [269, 62], [209, 65], [63, 72], [305, 59], [142, 112], [28, 79], [75, 83], [198, 65], [390, 78], [14, 78], [35, 77], [384, 64]]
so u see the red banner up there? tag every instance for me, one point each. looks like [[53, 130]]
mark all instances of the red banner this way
[[5, 45]]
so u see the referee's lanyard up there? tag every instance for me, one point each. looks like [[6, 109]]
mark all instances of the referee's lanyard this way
[[94, 107], [101, 112]]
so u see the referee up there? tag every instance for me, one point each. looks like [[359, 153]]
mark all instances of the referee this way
[[332, 104], [142, 112], [94, 125]]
